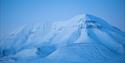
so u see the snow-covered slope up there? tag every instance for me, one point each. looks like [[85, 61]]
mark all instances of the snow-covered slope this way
[[81, 39]]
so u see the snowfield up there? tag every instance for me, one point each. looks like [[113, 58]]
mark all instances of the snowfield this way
[[81, 39]]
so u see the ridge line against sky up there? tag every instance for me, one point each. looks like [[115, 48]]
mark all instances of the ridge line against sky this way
[[15, 13]]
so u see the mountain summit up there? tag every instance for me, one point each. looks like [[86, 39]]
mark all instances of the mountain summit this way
[[81, 39]]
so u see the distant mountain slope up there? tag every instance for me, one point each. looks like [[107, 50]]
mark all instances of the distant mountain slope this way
[[81, 39]]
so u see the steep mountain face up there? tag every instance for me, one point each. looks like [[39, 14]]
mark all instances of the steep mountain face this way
[[83, 38]]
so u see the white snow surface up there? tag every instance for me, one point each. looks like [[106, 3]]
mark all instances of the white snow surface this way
[[82, 39]]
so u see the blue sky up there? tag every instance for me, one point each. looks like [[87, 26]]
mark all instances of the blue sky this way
[[15, 13]]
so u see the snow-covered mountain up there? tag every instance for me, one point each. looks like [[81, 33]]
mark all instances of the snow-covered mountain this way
[[81, 39]]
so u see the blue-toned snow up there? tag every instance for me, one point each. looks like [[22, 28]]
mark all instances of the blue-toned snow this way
[[81, 39]]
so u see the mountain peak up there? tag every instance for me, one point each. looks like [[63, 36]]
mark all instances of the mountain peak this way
[[83, 34]]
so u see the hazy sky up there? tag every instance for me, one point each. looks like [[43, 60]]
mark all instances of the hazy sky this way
[[15, 13]]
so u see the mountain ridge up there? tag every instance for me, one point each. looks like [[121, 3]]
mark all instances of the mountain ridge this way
[[46, 41]]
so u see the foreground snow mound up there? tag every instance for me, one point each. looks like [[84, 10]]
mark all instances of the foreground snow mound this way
[[81, 39]]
